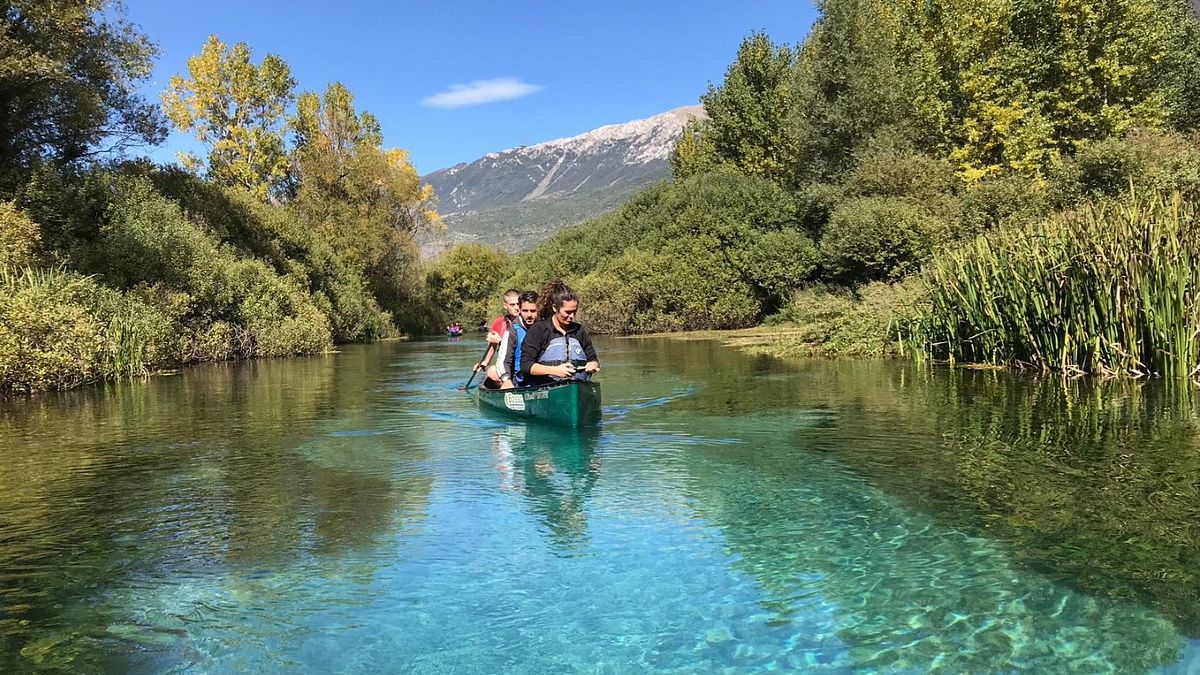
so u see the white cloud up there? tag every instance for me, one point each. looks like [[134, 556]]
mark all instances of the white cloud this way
[[480, 92]]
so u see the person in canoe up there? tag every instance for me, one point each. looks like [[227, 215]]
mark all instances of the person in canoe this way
[[496, 330], [508, 361], [557, 347]]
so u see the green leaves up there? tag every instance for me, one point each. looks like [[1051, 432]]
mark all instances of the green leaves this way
[[237, 109], [748, 113], [68, 77], [1105, 289]]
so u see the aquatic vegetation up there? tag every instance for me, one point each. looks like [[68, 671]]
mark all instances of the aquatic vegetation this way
[[1109, 289]]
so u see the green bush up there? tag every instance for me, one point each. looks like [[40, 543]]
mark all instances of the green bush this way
[[1146, 161], [642, 292], [465, 283], [20, 237], [866, 322], [60, 329], [1002, 202], [879, 239], [814, 203], [778, 262], [48, 337], [282, 238], [716, 250], [147, 239], [897, 174]]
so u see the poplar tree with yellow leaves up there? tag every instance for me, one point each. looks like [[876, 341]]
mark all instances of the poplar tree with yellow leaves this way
[[238, 110], [365, 200]]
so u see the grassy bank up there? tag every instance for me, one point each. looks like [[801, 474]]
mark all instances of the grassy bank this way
[[1106, 289], [827, 322]]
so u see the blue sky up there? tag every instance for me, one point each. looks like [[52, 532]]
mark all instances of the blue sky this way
[[424, 68]]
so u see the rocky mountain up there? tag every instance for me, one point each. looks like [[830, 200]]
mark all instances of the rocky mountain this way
[[516, 198]]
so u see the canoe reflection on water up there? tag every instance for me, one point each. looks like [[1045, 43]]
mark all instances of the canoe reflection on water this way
[[554, 469]]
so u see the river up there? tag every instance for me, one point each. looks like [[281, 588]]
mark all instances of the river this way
[[356, 513]]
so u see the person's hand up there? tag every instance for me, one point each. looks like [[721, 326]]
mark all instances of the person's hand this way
[[563, 370], [478, 367], [507, 384], [591, 367], [493, 337]]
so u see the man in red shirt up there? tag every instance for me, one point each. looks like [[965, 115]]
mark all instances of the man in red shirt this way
[[496, 331]]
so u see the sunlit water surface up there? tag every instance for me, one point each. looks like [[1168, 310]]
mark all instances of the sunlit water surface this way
[[355, 513]]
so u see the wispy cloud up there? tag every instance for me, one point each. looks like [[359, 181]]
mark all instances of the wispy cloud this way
[[480, 92]]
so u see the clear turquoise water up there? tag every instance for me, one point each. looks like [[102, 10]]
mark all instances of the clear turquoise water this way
[[354, 513]]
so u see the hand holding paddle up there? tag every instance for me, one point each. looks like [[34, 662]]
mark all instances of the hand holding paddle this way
[[478, 367]]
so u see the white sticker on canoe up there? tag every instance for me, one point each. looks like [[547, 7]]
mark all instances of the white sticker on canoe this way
[[514, 402]]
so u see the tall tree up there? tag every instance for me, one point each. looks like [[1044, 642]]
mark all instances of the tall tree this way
[[68, 71], [857, 89], [749, 113], [1034, 80], [238, 110], [367, 201]]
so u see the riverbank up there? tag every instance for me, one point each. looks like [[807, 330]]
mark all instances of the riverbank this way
[[785, 341], [826, 322]]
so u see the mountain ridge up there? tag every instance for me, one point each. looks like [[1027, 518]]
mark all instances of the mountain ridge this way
[[514, 198]]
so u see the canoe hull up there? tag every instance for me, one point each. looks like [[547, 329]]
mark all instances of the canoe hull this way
[[570, 404]]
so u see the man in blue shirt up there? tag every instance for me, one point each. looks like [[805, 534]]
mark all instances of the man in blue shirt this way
[[509, 361]]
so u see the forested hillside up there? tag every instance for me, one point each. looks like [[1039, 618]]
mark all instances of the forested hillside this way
[[998, 181]]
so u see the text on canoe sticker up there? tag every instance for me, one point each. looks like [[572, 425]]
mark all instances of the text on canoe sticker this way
[[514, 402]]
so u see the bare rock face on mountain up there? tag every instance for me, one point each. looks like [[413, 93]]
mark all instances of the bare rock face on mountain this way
[[516, 198]]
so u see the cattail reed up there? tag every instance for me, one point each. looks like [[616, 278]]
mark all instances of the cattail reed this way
[[1107, 289]]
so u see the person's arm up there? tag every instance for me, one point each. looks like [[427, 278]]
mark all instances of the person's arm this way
[[562, 370], [505, 358], [585, 341], [510, 356], [487, 358]]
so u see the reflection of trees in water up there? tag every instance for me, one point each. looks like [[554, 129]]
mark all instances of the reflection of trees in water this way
[[1095, 483], [906, 593], [106, 486], [555, 470]]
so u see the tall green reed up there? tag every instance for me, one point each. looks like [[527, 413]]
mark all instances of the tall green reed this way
[[60, 329], [1108, 289]]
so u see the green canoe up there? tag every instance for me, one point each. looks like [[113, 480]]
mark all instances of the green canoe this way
[[571, 403]]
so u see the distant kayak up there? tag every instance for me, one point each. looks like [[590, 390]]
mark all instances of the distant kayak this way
[[571, 403]]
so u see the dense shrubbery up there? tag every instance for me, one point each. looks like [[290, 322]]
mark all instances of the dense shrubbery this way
[[826, 177], [464, 285], [718, 249], [151, 287], [872, 320], [110, 269], [878, 238]]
